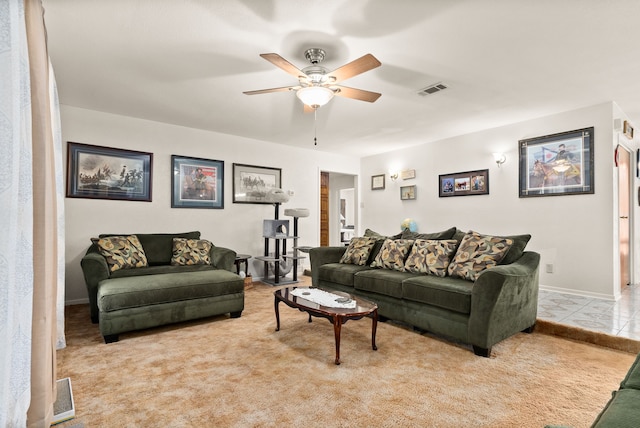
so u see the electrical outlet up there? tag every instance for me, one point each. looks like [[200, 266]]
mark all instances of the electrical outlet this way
[[549, 267]]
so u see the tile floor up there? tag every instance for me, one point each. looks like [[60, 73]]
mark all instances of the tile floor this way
[[621, 318]]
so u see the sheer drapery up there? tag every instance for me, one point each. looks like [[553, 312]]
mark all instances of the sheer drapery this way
[[16, 222], [30, 194]]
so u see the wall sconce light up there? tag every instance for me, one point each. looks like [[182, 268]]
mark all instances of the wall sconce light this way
[[393, 175], [500, 158]]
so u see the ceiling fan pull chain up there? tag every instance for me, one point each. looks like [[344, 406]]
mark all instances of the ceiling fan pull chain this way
[[315, 126]]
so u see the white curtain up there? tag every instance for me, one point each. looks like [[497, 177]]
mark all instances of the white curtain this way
[[20, 388], [16, 221]]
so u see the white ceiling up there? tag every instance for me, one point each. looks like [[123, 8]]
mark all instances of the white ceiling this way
[[187, 62]]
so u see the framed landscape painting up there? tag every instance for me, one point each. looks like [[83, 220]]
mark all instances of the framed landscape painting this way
[[98, 172], [557, 164], [197, 183], [252, 184]]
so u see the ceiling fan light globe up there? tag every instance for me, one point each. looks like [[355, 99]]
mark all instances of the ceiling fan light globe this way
[[314, 96]]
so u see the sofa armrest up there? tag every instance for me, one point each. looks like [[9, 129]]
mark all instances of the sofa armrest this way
[[95, 269], [504, 301], [319, 256], [223, 258]]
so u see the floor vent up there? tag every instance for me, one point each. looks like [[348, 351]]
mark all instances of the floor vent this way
[[63, 408], [429, 90]]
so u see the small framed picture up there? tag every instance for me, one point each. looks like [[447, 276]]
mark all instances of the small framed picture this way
[[464, 183], [377, 182], [628, 130], [407, 192]]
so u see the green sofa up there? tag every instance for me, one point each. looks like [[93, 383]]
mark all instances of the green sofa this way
[[159, 292], [500, 302], [623, 409]]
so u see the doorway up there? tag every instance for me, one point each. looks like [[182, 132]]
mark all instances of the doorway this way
[[624, 207], [338, 207]]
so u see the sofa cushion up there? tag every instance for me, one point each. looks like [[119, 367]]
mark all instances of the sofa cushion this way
[[382, 281], [379, 241], [445, 234], [358, 251], [392, 254], [136, 291], [632, 379], [155, 270], [158, 246], [339, 273], [448, 293], [476, 253], [121, 252], [622, 410], [517, 248], [430, 256], [191, 252]]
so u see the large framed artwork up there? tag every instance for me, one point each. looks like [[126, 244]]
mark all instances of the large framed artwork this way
[[464, 183], [197, 183], [557, 164], [98, 172], [252, 184]]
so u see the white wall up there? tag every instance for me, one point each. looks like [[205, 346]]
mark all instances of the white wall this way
[[575, 233], [237, 226]]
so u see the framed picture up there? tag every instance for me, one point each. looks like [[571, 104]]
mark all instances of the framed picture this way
[[408, 174], [628, 130], [407, 192], [557, 164], [377, 182], [197, 183], [97, 172], [251, 184], [464, 183]]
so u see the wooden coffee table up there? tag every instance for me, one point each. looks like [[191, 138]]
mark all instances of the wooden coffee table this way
[[337, 316]]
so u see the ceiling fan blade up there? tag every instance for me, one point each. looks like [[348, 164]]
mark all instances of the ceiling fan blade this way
[[266, 91], [358, 66], [357, 94], [282, 63]]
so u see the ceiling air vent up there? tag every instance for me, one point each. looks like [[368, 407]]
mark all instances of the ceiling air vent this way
[[430, 90]]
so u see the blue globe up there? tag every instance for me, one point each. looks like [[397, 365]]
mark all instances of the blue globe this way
[[409, 224]]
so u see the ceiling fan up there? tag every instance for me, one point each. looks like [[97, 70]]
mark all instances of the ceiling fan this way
[[317, 85]]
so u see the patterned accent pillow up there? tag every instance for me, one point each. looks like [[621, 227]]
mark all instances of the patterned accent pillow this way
[[191, 252], [358, 250], [121, 252], [392, 254], [476, 253], [430, 256]]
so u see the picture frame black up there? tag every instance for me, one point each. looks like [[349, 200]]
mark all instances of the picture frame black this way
[[408, 192], [197, 182], [465, 183], [99, 172], [377, 182], [557, 164], [252, 183]]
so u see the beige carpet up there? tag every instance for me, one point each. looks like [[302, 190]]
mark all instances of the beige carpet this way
[[223, 372]]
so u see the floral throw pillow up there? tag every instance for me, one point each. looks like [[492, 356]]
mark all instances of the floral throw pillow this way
[[430, 256], [476, 253], [121, 252], [191, 252], [358, 250], [392, 254]]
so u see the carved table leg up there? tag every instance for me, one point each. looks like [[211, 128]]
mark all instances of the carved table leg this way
[[337, 327], [276, 302]]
